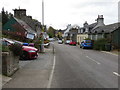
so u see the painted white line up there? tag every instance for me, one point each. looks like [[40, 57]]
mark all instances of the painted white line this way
[[51, 75], [93, 60], [115, 73], [110, 53]]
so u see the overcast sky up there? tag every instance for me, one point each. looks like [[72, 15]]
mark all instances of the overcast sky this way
[[60, 13]]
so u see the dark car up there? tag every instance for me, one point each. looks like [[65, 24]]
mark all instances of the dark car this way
[[29, 52], [86, 44]]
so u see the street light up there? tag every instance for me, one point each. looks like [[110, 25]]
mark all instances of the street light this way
[[42, 39]]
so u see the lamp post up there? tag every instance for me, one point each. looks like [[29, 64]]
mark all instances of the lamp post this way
[[42, 33], [43, 12]]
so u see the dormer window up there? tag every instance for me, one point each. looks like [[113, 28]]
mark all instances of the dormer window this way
[[81, 30]]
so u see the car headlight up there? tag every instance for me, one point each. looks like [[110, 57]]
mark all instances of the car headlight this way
[[31, 51]]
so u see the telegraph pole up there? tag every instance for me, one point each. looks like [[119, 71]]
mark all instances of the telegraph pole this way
[[43, 12], [42, 39]]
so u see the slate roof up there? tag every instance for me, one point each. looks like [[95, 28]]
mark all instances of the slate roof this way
[[92, 25], [25, 26], [107, 28]]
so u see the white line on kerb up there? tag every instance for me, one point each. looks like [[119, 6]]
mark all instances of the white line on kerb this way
[[51, 75], [115, 73], [93, 60]]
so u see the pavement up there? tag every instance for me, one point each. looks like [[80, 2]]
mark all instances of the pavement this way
[[32, 73], [4, 79]]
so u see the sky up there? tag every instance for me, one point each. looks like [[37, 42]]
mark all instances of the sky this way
[[60, 13]]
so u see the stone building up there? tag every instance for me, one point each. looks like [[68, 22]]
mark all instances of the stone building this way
[[34, 24]]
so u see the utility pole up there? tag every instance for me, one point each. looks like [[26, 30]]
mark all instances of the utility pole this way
[[43, 12], [42, 39]]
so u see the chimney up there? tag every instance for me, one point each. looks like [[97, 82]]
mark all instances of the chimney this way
[[19, 13], [85, 24], [100, 20]]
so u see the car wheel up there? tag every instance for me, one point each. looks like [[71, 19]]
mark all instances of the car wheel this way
[[24, 55]]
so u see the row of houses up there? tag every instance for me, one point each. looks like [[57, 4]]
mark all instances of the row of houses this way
[[94, 31], [22, 26]]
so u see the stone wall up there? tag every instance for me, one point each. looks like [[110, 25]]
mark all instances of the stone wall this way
[[10, 63]]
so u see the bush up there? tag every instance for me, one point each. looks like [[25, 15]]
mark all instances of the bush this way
[[5, 48], [100, 44], [16, 49], [87, 39]]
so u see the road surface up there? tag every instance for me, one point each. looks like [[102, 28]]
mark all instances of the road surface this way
[[84, 68]]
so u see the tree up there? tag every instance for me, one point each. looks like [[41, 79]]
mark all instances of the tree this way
[[4, 17], [51, 32]]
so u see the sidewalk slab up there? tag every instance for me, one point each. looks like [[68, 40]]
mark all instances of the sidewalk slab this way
[[110, 53], [4, 80]]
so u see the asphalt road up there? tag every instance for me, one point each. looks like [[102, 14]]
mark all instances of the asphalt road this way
[[83, 68]]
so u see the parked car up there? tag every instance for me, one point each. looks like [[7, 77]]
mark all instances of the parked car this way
[[86, 44], [7, 42], [51, 39], [60, 41], [31, 44], [29, 52], [46, 45], [67, 41], [25, 44], [72, 43]]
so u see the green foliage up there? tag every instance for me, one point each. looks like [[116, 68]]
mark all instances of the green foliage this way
[[46, 41], [4, 17], [16, 49], [5, 48], [37, 42], [87, 39], [100, 44], [51, 32]]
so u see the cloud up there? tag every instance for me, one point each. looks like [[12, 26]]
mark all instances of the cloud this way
[[59, 13]]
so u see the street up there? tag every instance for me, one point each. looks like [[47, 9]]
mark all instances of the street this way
[[71, 67], [84, 68], [60, 44]]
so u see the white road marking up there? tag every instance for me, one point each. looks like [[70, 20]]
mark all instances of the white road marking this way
[[115, 73], [93, 60], [51, 75], [110, 53]]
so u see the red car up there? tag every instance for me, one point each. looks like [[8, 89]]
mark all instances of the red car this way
[[72, 43], [29, 52]]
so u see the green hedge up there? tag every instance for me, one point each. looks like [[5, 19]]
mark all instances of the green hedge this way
[[16, 49], [100, 44], [5, 48]]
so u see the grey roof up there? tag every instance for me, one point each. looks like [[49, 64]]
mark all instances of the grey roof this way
[[107, 28], [72, 32], [62, 31], [92, 25], [25, 26]]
